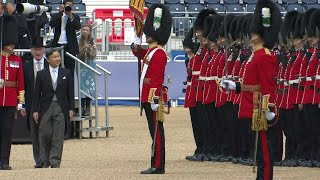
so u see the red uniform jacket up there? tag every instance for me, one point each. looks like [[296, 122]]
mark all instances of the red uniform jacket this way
[[221, 97], [260, 70], [203, 70], [294, 76], [302, 83], [281, 88], [190, 100], [316, 97], [155, 74], [210, 84], [11, 70], [196, 69], [239, 73], [210, 93], [308, 93]]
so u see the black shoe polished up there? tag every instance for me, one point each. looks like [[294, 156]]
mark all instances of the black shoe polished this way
[[277, 163], [235, 160], [225, 158], [55, 166], [196, 157], [5, 167], [153, 171], [37, 166]]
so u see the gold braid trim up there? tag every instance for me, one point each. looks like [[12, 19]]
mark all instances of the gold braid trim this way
[[152, 96], [21, 97], [260, 107]]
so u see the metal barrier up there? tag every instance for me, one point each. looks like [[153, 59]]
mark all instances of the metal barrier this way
[[79, 118]]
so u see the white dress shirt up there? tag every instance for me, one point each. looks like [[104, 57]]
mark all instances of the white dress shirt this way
[[36, 66], [54, 75], [63, 35]]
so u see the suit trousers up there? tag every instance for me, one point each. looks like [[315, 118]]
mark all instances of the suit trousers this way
[[69, 63], [196, 129], [312, 113], [158, 159], [7, 116], [51, 135], [288, 123], [246, 138], [203, 122], [34, 131], [212, 126]]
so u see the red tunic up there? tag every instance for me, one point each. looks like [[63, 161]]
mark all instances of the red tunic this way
[[11, 70], [221, 97], [281, 88], [316, 97], [190, 100], [196, 69], [201, 79], [155, 71], [302, 83], [210, 86], [260, 70], [308, 93], [293, 76]]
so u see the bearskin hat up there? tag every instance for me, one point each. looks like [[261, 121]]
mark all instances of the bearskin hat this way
[[199, 22], [314, 23], [159, 27], [245, 25], [9, 30], [266, 27], [228, 19], [214, 31], [297, 34], [289, 23], [208, 21], [187, 41], [305, 20], [233, 27]]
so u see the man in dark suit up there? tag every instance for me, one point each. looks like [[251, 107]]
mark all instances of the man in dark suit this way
[[52, 106], [65, 24], [30, 68]]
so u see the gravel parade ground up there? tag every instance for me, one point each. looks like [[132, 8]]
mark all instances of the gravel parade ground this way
[[127, 152]]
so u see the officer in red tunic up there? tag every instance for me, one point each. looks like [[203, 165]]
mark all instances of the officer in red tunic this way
[[11, 86], [157, 30], [259, 85]]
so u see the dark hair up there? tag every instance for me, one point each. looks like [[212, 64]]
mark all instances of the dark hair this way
[[64, 1], [50, 51]]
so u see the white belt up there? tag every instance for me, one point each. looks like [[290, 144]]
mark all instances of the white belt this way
[[309, 79], [188, 83], [195, 72], [293, 81], [317, 77], [211, 78], [202, 78], [286, 83], [229, 76]]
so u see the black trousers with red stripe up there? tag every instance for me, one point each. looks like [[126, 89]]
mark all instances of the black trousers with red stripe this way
[[264, 156], [196, 129], [6, 123], [158, 160]]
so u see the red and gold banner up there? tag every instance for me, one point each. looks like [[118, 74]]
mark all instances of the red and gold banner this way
[[137, 9]]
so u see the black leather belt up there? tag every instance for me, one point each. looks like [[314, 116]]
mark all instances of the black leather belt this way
[[301, 87], [295, 85], [311, 87]]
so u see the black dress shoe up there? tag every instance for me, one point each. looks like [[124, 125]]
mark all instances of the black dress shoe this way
[[55, 166], [316, 163], [153, 171], [196, 157], [277, 163], [37, 166], [5, 167], [225, 158]]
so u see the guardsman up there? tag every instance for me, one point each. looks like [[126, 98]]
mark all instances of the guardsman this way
[[199, 57], [210, 87], [257, 101], [190, 97], [152, 92], [11, 86], [311, 96]]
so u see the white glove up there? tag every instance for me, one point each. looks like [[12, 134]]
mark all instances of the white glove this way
[[270, 115], [137, 40], [227, 83], [154, 106]]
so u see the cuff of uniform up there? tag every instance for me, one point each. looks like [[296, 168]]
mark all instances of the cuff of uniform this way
[[21, 106]]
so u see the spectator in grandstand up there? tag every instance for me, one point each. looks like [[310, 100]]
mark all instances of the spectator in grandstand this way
[[2, 7], [34, 63], [87, 54], [23, 37], [65, 24], [52, 106]]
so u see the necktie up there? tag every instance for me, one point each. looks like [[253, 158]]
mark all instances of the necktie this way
[[38, 66], [54, 75]]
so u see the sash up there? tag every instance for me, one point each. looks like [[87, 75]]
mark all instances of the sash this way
[[145, 68]]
